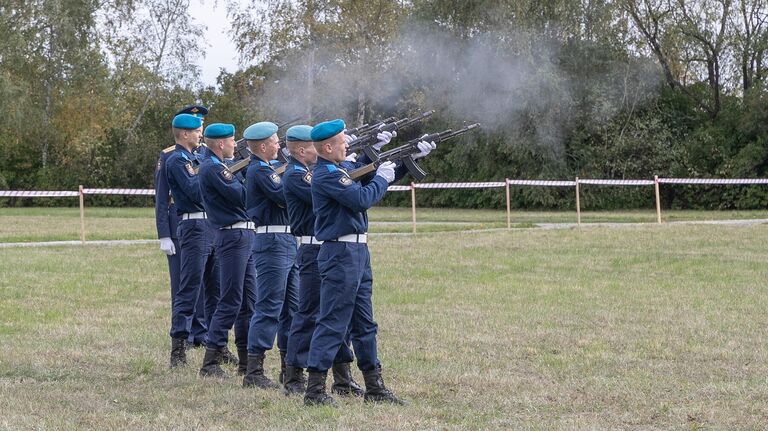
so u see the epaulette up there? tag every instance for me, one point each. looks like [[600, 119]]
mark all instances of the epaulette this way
[[169, 149]]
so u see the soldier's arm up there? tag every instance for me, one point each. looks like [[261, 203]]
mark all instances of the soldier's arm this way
[[349, 193]]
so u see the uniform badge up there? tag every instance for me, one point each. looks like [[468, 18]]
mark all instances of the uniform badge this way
[[226, 174], [345, 180], [159, 164], [190, 169], [308, 177], [275, 178]]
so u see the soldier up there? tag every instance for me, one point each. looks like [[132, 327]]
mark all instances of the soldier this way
[[274, 254], [199, 269], [167, 221], [297, 182], [340, 207], [224, 203]]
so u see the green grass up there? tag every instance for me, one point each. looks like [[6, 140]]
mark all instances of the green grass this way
[[644, 327], [63, 224]]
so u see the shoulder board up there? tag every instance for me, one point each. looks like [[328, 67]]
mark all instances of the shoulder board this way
[[169, 149], [331, 168]]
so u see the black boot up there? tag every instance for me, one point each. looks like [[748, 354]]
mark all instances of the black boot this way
[[211, 367], [375, 392], [315, 395], [254, 374], [343, 383], [227, 357], [281, 377], [178, 352], [295, 381], [242, 361]]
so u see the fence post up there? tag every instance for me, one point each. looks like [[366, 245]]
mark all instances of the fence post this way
[[509, 225], [82, 215], [658, 200], [413, 206], [578, 204]]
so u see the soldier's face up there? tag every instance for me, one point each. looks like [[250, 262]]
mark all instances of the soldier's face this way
[[271, 147], [338, 148], [228, 147]]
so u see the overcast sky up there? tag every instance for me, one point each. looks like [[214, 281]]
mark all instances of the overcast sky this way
[[220, 52]]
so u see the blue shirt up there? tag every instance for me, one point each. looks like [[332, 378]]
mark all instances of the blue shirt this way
[[166, 218], [223, 195], [340, 203], [297, 187], [264, 194], [183, 181]]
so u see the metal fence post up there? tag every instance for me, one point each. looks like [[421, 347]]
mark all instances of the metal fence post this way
[[82, 215]]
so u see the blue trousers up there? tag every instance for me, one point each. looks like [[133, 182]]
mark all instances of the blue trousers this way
[[199, 277], [345, 305], [237, 280], [276, 291], [303, 325]]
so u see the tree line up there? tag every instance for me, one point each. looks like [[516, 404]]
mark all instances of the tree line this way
[[589, 88]]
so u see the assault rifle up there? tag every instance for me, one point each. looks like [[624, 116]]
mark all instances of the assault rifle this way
[[369, 138], [404, 154], [366, 128]]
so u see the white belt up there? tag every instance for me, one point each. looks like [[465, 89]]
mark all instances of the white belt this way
[[354, 237], [273, 229], [309, 240], [240, 225], [197, 215]]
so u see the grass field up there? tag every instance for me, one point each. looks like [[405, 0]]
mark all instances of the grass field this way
[[644, 327], [63, 224]]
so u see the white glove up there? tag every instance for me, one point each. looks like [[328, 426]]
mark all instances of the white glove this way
[[349, 138], [383, 139], [167, 247], [351, 158], [387, 171], [424, 148]]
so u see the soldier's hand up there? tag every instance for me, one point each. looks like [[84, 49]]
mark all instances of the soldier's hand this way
[[387, 171], [349, 138], [383, 139], [424, 148], [167, 247], [352, 157]]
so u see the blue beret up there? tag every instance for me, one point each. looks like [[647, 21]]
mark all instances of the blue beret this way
[[219, 130], [259, 131], [186, 121], [196, 110], [327, 129], [298, 133]]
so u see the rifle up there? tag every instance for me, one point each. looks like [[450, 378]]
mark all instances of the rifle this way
[[404, 153], [369, 138], [366, 128]]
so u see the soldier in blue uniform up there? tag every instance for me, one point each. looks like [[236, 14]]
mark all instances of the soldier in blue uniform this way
[[341, 222], [274, 254], [297, 182], [167, 221], [199, 269], [224, 204]]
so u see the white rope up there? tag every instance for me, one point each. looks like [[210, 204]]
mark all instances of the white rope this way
[[617, 182], [721, 181], [145, 192], [545, 183], [459, 185], [35, 194]]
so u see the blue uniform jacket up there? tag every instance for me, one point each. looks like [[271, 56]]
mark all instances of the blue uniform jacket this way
[[264, 196], [297, 187], [166, 218], [223, 195], [183, 181], [339, 203]]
